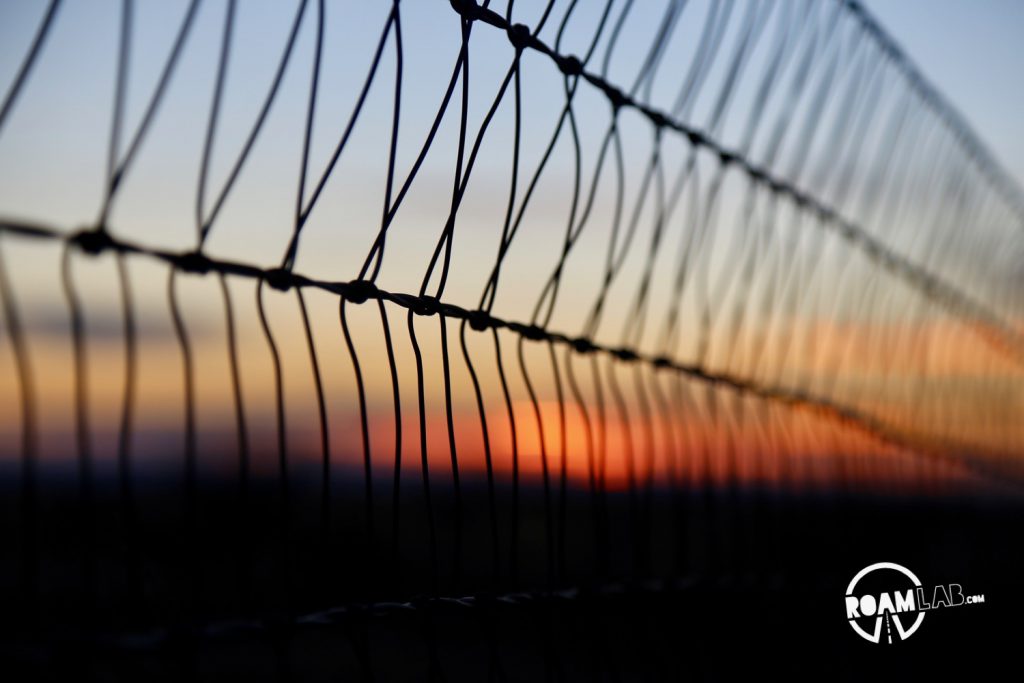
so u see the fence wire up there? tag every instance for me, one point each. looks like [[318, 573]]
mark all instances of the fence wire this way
[[607, 300]]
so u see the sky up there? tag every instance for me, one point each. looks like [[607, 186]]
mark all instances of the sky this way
[[804, 314], [971, 50]]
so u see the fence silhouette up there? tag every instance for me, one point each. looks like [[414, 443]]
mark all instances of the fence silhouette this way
[[780, 268]]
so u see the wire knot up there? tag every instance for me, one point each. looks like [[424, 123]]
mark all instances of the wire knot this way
[[479, 320], [659, 119], [193, 262], [583, 345], [570, 65], [426, 305], [93, 241], [359, 291], [519, 35], [280, 279], [533, 333], [627, 355], [468, 9], [617, 98]]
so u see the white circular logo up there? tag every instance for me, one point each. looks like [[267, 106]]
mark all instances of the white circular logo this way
[[885, 606]]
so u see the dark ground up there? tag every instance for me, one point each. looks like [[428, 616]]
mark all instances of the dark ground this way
[[720, 586]]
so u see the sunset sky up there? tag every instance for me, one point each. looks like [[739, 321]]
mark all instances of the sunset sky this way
[[815, 315]]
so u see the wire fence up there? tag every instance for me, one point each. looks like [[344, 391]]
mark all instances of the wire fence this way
[[716, 257]]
